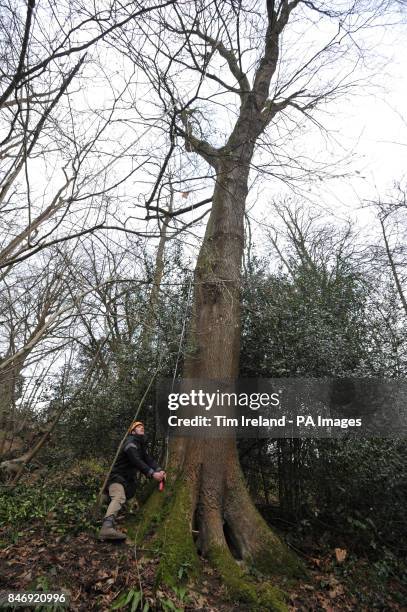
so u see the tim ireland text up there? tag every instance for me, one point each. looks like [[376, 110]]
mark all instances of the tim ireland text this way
[[260, 421]]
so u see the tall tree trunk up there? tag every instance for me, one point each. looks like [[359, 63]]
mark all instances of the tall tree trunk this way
[[214, 343], [211, 497]]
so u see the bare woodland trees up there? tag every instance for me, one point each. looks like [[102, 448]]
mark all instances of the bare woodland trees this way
[[391, 216], [388, 265], [44, 52], [56, 177]]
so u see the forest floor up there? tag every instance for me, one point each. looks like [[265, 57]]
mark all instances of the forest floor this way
[[48, 542], [98, 576]]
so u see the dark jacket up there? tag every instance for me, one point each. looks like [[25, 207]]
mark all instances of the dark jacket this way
[[133, 458]]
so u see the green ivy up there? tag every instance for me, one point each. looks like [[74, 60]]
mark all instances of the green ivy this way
[[61, 509]]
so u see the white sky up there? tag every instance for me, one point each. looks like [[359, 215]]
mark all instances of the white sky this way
[[367, 128]]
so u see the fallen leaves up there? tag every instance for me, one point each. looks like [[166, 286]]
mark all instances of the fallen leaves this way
[[97, 575], [27, 577]]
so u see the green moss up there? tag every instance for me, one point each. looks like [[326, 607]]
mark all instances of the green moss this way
[[232, 575], [139, 526], [271, 598], [166, 517], [179, 557], [275, 558], [241, 588]]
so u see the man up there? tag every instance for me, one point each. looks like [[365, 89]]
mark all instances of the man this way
[[121, 486]]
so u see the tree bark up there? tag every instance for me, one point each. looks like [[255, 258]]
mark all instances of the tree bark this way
[[9, 379], [220, 508]]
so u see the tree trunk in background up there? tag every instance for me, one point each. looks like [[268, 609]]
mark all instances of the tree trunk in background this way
[[149, 325], [9, 380]]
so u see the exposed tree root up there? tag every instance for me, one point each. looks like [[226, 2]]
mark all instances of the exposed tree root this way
[[255, 541], [179, 554], [238, 532], [148, 519], [240, 587]]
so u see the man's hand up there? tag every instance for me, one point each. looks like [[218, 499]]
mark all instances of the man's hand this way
[[159, 476]]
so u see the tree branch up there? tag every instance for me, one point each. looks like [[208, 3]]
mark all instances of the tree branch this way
[[229, 56], [195, 144], [180, 211], [268, 63]]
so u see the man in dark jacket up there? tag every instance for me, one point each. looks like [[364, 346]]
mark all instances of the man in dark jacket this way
[[133, 457]]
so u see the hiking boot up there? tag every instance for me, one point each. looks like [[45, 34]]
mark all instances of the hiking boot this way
[[108, 531]]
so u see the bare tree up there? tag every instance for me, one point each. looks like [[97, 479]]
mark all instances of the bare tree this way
[[31, 310], [60, 173], [245, 58], [47, 56], [391, 215]]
